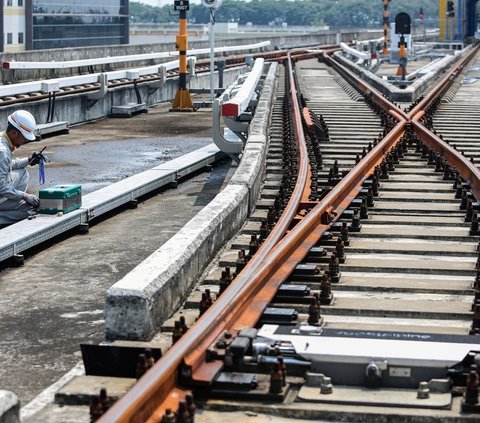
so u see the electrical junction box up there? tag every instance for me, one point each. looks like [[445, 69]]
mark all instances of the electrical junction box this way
[[60, 198]]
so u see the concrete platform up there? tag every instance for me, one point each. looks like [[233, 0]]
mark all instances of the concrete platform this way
[[28, 233], [45, 129], [128, 110]]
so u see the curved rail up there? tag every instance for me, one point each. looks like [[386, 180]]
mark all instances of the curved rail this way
[[156, 392], [244, 300]]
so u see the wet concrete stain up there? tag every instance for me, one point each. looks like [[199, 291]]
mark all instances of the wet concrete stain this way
[[97, 164]]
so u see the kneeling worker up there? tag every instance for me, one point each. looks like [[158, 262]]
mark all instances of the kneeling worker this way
[[15, 203]]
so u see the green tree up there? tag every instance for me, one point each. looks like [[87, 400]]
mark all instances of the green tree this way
[[334, 13]]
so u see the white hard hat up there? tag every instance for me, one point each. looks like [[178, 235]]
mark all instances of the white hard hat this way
[[25, 123]]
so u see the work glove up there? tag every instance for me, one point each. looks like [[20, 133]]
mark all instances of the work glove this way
[[35, 158], [32, 200]]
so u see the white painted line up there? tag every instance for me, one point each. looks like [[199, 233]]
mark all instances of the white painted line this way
[[48, 395]]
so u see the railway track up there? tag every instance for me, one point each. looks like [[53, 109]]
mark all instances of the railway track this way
[[360, 270], [408, 267], [456, 119]]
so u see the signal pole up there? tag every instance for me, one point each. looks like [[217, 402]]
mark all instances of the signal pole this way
[[386, 23], [182, 102]]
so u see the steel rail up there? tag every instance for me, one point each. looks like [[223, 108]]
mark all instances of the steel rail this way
[[155, 391], [236, 296], [467, 170], [242, 304], [436, 91], [293, 248]]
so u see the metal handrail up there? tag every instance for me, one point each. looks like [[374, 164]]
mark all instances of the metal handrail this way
[[71, 81], [124, 59], [236, 105]]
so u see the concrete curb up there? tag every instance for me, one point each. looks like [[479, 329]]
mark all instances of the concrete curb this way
[[138, 304], [409, 94], [9, 407]]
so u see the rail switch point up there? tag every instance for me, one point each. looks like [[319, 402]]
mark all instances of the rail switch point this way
[[60, 198]]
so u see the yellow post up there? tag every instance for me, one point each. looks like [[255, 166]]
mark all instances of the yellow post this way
[[402, 54], [182, 102], [442, 19]]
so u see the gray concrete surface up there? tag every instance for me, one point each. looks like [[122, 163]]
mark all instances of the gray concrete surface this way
[[55, 302], [81, 389], [105, 151]]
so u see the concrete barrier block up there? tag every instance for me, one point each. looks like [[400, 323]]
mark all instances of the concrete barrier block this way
[[250, 174], [9, 407], [256, 141], [137, 305]]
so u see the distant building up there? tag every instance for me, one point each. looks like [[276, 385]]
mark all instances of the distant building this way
[[46, 24]]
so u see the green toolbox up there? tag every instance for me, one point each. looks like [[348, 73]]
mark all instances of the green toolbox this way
[[60, 198]]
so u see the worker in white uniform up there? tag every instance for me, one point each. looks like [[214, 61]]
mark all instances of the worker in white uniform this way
[[15, 203]]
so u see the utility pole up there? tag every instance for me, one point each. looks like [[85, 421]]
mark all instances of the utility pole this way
[[182, 102], [212, 6]]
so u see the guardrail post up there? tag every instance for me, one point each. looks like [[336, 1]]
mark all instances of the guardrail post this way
[[230, 147], [7, 75], [134, 75], [192, 61], [50, 87], [92, 98], [221, 68], [154, 86]]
